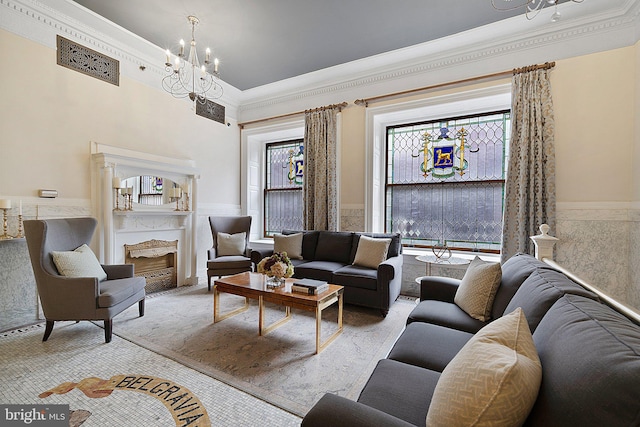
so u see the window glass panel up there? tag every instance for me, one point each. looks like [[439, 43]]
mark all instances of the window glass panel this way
[[283, 190], [445, 181]]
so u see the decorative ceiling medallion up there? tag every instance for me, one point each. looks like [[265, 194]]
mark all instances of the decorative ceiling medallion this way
[[87, 61], [211, 111]]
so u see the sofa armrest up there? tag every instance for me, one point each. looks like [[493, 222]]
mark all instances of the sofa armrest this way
[[438, 288], [388, 269], [118, 271], [258, 254], [336, 411]]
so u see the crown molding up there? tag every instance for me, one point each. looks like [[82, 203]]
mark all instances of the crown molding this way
[[589, 27], [40, 22]]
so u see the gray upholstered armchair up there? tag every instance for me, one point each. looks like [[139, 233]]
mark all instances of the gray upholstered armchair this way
[[231, 257], [78, 298]]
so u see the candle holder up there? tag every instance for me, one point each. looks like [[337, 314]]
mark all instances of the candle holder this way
[[116, 193], [20, 234], [186, 203], [5, 235]]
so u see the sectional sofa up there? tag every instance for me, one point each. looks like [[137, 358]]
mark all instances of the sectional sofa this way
[[333, 257], [588, 360]]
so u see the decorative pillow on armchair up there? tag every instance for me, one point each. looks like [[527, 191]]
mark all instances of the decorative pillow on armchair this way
[[478, 288], [81, 262], [231, 244], [291, 244], [492, 381]]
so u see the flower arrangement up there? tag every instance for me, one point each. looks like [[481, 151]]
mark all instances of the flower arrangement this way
[[277, 265]]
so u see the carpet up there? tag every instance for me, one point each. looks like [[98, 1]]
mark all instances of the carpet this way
[[281, 367]]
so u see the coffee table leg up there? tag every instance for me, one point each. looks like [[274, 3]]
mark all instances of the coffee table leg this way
[[321, 345], [217, 317], [264, 330]]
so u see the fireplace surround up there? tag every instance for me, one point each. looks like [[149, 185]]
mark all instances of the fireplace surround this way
[[117, 228]]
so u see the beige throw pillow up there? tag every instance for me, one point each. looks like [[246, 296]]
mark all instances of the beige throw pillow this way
[[81, 262], [231, 244], [371, 251], [478, 288], [492, 381], [291, 244]]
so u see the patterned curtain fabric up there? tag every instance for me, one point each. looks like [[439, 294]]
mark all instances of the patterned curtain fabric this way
[[319, 191], [530, 195]]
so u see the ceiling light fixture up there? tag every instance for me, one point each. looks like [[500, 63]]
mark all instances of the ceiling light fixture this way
[[187, 78], [533, 7]]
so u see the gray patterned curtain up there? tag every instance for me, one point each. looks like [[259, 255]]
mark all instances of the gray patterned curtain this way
[[319, 191], [530, 196]]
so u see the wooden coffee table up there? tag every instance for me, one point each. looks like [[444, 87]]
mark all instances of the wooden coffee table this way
[[254, 285]]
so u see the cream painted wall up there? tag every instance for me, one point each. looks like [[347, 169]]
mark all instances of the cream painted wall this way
[[353, 155], [595, 113], [50, 114]]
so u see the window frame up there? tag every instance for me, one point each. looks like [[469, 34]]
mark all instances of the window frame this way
[[471, 101]]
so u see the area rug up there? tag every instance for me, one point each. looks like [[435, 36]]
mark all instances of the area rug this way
[[281, 367]]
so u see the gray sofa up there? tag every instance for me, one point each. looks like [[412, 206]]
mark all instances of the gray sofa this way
[[589, 352], [329, 255]]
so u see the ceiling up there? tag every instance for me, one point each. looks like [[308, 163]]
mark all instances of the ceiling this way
[[264, 41]]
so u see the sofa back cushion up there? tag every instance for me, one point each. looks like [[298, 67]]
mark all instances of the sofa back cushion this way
[[514, 271], [309, 243], [334, 246], [540, 291], [590, 357]]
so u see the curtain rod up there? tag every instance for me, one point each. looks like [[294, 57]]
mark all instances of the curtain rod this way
[[297, 113], [546, 66]]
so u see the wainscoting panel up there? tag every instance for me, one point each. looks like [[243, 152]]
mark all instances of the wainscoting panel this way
[[601, 246]]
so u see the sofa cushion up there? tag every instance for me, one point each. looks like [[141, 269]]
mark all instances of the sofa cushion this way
[[590, 358], [81, 262], [540, 291], [371, 252], [478, 288], [444, 314], [291, 244], [231, 244], [334, 246], [356, 276], [492, 381], [113, 292], [320, 270], [401, 390], [514, 271], [428, 346]]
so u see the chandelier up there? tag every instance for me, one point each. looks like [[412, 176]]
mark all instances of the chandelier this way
[[533, 7], [186, 77]]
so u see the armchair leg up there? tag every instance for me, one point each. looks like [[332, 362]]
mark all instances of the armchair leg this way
[[47, 330], [141, 307], [208, 283], [108, 325]]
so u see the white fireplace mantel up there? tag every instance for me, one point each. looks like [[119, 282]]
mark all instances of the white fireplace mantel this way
[[117, 227]]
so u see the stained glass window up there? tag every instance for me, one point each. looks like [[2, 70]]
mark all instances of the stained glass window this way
[[445, 181], [283, 189]]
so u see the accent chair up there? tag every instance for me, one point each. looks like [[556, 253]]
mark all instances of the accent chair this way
[[65, 297], [230, 253]]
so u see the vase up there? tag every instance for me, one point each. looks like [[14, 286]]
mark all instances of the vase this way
[[275, 282]]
